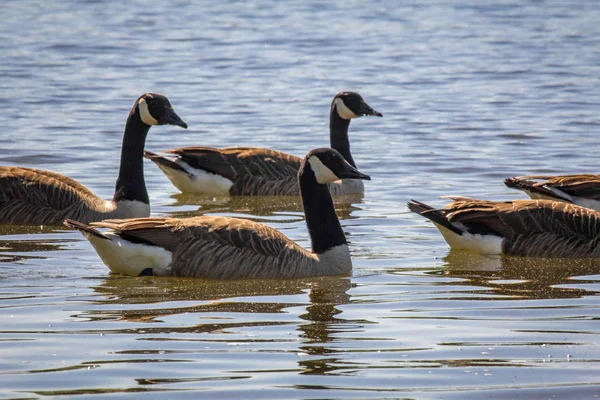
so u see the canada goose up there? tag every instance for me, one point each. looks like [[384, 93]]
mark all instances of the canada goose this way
[[530, 228], [583, 190], [258, 171], [234, 248], [36, 197]]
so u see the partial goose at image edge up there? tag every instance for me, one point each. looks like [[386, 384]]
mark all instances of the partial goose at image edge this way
[[524, 228]]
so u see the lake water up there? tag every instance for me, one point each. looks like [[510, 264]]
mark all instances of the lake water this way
[[471, 92]]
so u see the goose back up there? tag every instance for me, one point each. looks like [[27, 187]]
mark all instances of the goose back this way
[[219, 247], [251, 170], [235, 161], [33, 196]]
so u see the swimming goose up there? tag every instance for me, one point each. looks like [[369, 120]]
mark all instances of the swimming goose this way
[[530, 228], [233, 248], [36, 197], [258, 171], [583, 190]]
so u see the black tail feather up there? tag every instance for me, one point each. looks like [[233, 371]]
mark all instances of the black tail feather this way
[[436, 216], [530, 186], [83, 227], [515, 183], [164, 161]]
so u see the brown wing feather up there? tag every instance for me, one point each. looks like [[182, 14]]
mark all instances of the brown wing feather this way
[[32, 196], [233, 232], [253, 185], [584, 185], [240, 161], [532, 227], [216, 247]]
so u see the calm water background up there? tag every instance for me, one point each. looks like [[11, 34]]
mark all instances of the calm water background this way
[[471, 92]]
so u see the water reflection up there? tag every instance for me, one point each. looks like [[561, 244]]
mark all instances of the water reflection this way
[[322, 326], [256, 205], [324, 294], [529, 278], [6, 230], [25, 248]]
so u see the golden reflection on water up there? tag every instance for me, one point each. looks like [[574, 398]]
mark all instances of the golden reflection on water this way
[[256, 205], [6, 230], [317, 331], [522, 277], [324, 293], [321, 327], [12, 251]]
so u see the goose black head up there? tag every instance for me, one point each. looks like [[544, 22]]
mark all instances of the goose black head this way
[[155, 109], [328, 165], [351, 105]]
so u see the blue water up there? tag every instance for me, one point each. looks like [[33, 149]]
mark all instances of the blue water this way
[[471, 93]]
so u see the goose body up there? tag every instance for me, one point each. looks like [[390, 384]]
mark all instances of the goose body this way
[[36, 197], [258, 171], [233, 248], [529, 228], [583, 190]]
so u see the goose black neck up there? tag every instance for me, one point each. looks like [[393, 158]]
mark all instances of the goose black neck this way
[[338, 135], [322, 222], [130, 183]]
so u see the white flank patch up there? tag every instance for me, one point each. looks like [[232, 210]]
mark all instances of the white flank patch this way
[[482, 244], [336, 261], [124, 257], [200, 181], [343, 110], [322, 173], [131, 209], [127, 209], [147, 118]]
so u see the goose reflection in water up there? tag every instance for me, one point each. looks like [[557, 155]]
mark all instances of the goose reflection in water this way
[[121, 299], [321, 326], [6, 230], [207, 296], [18, 244], [522, 277], [257, 205], [17, 250]]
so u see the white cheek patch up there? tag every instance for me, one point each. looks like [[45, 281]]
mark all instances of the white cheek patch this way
[[322, 173], [343, 110], [147, 118]]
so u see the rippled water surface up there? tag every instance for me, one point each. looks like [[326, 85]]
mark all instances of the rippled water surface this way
[[471, 92]]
